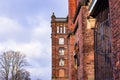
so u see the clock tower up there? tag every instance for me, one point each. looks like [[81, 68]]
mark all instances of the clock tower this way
[[59, 27]]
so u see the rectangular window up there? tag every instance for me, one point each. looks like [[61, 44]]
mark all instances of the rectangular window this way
[[64, 29], [61, 40], [61, 30], [61, 73], [58, 29], [61, 51], [61, 62]]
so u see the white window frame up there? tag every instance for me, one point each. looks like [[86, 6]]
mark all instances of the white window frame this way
[[61, 51], [61, 40], [57, 29], [61, 30], [64, 29], [61, 62]]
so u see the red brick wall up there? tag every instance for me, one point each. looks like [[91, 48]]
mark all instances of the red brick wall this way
[[88, 51], [79, 40], [84, 37], [55, 51], [72, 75], [71, 13], [115, 26]]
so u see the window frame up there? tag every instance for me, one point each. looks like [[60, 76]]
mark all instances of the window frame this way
[[61, 71], [64, 30], [61, 29], [61, 51], [61, 40], [58, 29], [61, 63]]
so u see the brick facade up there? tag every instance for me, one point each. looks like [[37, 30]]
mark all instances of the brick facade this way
[[59, 48], [92, 41], [107, 65], [84, 39], [71, 13], [115, 26]]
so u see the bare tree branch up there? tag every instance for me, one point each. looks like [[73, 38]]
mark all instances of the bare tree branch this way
[[11, 63]]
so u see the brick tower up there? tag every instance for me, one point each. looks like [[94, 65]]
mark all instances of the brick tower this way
[[59, 48]]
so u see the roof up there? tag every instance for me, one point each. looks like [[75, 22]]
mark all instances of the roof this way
[[61, 19]]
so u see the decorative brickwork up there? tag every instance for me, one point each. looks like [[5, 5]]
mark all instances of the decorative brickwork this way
[[59, 48]]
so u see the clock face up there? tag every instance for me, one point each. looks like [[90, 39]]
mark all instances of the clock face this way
[[61, 40]]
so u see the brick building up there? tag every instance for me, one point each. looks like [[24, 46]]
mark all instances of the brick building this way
[[102, 17], [83, 43], [93, 40], [102, 38], [59, 48], [71, 13], [106, 38], [114, 9]]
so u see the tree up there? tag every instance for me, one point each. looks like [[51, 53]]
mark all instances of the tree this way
[[22, 75], [11, 63], [2, 76]]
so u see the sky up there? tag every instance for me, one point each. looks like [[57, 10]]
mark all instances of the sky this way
[[25, 27]]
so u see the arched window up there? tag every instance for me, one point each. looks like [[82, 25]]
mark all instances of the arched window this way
[[61, 51], [61, 73], [61, 62]]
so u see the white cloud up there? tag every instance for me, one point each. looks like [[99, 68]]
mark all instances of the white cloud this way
[[41, 30], [36, 49], [8, 26], [40, 26], [32, 49], [35, 56], [40, 72], [32, 35]]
